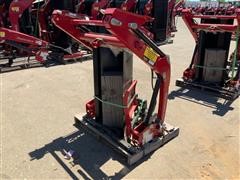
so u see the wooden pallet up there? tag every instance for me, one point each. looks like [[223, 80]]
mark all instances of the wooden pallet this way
[[217, 91], [131, 154]]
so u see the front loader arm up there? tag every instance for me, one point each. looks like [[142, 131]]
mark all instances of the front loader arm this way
[[194, 26], [131, 35], [11, 35], [126, 31], [32, 45], [74, 26]]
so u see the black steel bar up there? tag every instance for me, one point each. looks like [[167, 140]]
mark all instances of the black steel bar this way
[[153, 99]]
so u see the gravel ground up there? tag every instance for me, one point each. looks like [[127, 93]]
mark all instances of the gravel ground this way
[[38, 106]]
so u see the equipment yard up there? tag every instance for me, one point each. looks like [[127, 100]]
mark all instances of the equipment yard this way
[[37, 116]]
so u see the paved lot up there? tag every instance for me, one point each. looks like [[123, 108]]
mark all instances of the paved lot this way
[[37, 109]]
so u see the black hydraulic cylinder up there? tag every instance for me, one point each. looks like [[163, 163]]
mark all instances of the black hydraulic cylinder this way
[[160, 15], [153, 99], [148, 41]]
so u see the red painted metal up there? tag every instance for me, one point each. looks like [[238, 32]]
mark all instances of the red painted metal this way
[[97, 6], [11, 35], [80, 6], [121, 26], [178, 6], [194, 27], [130, 108], [16, 10], [148, 8], [34, 44], [43, 14], [129, 5], [221, 9], [90, 109]]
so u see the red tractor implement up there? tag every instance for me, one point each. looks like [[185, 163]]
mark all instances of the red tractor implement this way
[[25, 22], [136, 131], [211, 69]]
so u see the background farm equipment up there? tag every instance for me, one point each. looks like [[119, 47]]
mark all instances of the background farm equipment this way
[[24, 28], [212, 67]]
